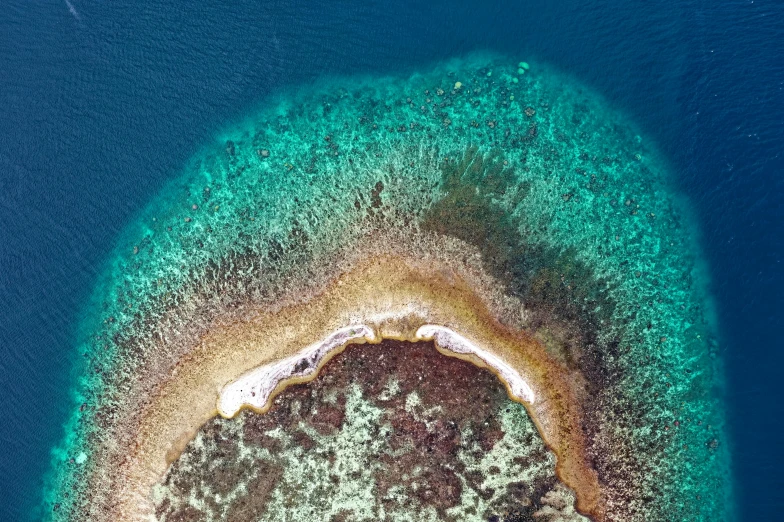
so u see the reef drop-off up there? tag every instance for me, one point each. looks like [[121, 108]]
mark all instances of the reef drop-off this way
[[499, 200]]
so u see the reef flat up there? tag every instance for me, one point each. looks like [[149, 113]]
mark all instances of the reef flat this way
[[502, 202], [393, 431]]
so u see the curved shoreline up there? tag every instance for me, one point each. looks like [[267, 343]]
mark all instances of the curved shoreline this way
[[517, 210], [450, 341], [257, 388], [396, 298]]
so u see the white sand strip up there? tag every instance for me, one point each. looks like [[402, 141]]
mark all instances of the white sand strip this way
[[448, 339], [255, 387]]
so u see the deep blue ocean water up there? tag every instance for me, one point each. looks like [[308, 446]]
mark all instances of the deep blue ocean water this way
[[102, 102]]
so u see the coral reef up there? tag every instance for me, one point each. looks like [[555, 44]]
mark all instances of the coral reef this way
[[393, 431], [511, 207]]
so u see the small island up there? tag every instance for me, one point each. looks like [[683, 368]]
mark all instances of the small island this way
[[488, 222]]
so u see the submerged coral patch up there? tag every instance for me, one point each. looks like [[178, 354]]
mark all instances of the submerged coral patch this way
[[491, 205], [393, 431]]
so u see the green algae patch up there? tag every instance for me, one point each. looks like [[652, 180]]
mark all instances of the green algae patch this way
[[524, 212]]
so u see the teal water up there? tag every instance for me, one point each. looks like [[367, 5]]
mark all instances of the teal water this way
[[579, 212], [103, 108]]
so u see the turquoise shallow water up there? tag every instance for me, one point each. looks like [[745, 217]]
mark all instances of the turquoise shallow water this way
[[592, 220], [103, 108]]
